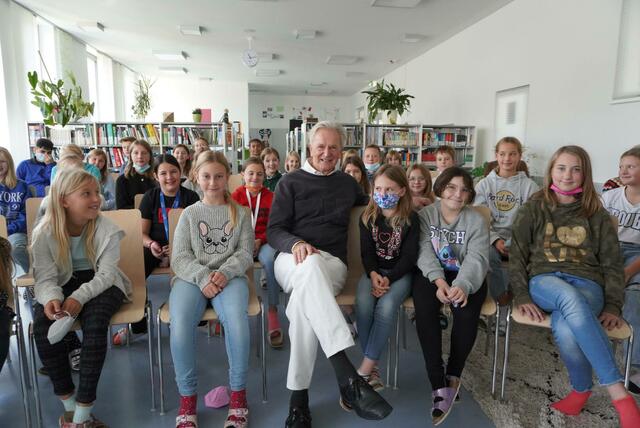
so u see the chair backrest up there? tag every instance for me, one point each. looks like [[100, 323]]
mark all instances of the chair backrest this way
[[434, 174], [174, 216], [235, 181], [33, 191], [32, 208], [3, 227], [115, 176], [354, 259], [137, 199], [131, 250]]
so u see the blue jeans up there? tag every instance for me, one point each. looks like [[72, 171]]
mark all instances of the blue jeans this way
[[498, 276], [186, 305], [631, 308], [266, 256], [19, 252], [574, 304], [377, 316]]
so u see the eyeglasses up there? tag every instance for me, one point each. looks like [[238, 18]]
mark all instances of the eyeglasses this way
[[453, 188]]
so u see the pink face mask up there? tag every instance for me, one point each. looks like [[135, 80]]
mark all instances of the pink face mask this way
[[573, 192]]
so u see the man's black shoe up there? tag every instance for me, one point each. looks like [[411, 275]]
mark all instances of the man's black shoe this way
[[359, 396], [299, 417]]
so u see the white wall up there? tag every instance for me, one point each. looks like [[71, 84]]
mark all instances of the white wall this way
[[19, 55], [564, 49], [182, 95], [72, 58], [322, 107]]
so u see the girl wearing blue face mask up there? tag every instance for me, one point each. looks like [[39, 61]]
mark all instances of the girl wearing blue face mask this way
[[389, 237], [137, 177]]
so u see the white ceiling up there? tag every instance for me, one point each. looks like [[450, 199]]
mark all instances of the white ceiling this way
[[132, 29]]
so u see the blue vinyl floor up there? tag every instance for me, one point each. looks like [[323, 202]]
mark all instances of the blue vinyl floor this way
[[124, 398]]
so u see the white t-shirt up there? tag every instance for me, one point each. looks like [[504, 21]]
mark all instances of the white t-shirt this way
[[616, 202]]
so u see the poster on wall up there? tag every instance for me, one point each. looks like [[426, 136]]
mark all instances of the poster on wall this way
[[302, 113], [265, 133]]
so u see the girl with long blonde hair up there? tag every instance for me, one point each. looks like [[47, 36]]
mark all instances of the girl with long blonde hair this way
[[98, 158], [75, 266]]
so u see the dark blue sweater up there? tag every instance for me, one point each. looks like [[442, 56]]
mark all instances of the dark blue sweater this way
[[315, 209], [36, 174], [12, 206]]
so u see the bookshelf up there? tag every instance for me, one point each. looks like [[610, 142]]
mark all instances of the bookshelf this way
[[415, 143], [162, 137]]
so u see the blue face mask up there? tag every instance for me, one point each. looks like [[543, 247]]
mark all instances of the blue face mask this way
[[372, 167], [388, 201], [141, 169], [40, 157]]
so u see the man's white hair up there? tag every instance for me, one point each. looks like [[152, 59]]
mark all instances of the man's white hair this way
[[326, 124]]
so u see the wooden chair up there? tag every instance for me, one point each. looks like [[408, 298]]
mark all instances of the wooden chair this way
[[235, 181], [136, 200], [32, 208], [434, 174], [490, 309], [132, 264], [255, 308], [3, 227]]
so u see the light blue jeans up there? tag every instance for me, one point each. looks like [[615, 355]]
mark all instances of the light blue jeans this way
[[631, 308], [19, 252], [575, 304], [377, 316], [186, 305], [497, 275], [266, 256]]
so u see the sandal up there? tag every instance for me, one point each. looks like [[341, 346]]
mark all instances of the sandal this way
[[276, 339], [454, 382], [237, 418], [187, 421], [91, 423], [374, 379], [442, 404], [74, 359]]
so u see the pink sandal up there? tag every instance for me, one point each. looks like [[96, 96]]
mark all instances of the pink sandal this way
[[237, 418], [187, 421]]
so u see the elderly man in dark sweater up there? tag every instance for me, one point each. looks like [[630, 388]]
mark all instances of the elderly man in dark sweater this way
[[308, 227]]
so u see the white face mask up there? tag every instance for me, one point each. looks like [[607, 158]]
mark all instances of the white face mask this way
[[61, 326]]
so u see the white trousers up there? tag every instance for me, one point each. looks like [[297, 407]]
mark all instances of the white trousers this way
[[313, 312]]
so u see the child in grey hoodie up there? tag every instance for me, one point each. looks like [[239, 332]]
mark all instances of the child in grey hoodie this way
[[454, 257], [504, 191]]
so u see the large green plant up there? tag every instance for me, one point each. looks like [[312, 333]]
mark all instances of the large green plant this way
[[386, 98], [142, 103], [58, 105]]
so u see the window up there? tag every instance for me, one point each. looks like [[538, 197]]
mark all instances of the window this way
[[627, 80], [92, 73]]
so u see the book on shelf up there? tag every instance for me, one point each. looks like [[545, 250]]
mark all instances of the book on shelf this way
[[82, 135], [110, 134], [449, 137], [399, 138]]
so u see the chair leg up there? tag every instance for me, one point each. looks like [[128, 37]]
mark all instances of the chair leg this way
[[403, 325], [506, 353], [160, 366], [23, 367], [147, 315], [22, 340], [488, 335], [128, 334], [263, 344], [495, 354], [34, 378], [627, 363], [397, 349]]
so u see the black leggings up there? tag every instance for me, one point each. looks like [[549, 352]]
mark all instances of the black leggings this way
[[463, 332], [94, 319]]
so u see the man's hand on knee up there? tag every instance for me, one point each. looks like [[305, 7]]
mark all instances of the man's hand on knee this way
[[301, 250]]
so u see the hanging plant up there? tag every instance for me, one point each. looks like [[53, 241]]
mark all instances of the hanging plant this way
[[58, 105], [386, 98], [142, 99]]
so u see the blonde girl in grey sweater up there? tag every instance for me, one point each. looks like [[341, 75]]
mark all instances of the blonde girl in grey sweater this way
[[212, 250]]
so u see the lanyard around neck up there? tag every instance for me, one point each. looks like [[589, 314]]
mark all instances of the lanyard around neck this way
[[165, 219], [254, 216]]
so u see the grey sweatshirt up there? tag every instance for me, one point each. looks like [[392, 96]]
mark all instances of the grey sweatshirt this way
[[462, 247], [503, 196], [205, 242], [50, 278]]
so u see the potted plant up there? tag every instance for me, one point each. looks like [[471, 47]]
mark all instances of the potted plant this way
[[197, 115], [59, 105], [142, 103], [389, 99]]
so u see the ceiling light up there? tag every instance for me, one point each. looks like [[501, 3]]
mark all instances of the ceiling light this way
[[170, 56], [190, 30], [305, 34], [318, 91], [342, 60], [318, 83], [173, 70], [206, 79], [412, 38], [91, 27], [266, 57], [395, 3], [265, 72], [355, 74]]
